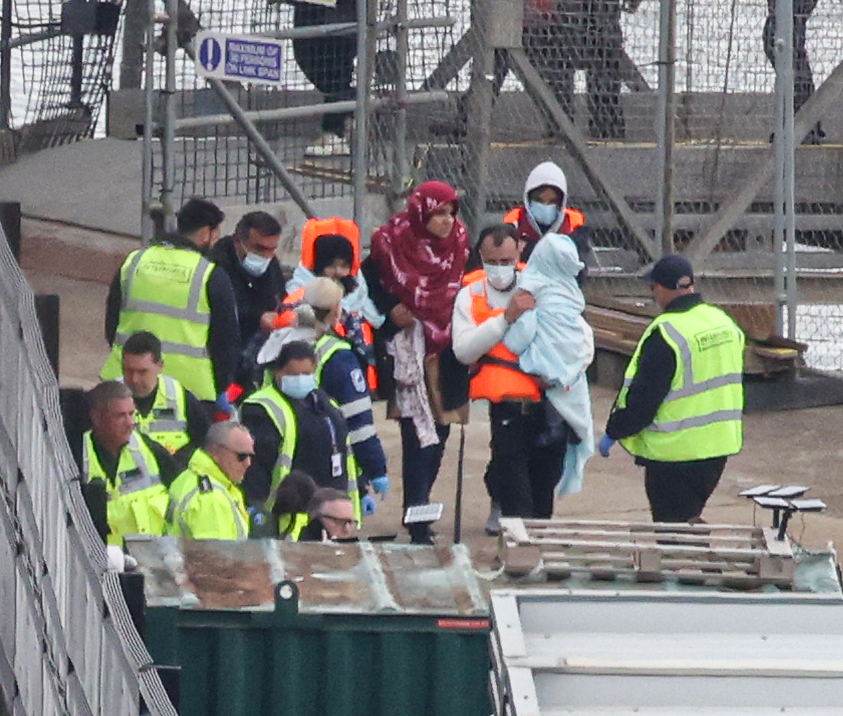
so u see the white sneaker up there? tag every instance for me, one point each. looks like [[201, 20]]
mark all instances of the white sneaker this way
[[493, 523], [329, 145]]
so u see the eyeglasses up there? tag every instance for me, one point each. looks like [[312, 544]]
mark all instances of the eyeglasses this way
[[241, 456], [343, 522]]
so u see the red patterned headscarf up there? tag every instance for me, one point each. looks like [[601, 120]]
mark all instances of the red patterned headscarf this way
[[421, 270]]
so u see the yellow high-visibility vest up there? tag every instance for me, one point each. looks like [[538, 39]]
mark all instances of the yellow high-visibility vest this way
[[325, 348], [165, 291], [701, 416], [166, 421], [137, 499], [283, 418], [291, 526], [205, 503]]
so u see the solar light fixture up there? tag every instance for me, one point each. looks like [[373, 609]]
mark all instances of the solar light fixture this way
[[784, 503]]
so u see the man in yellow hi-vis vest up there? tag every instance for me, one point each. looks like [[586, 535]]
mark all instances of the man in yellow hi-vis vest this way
[[125, 474], [165, 410], [680, 410], [173, 291], [205, 500]]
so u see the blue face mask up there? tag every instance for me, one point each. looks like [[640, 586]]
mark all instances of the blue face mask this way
[[298, 386], [544, 214], [255, 264]]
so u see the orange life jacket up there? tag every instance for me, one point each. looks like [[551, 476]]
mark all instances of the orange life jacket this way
[[285, 318], [314, 228], [496, 376], [573, 219]]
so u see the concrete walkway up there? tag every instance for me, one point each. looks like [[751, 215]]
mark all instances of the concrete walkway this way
[[794, 447]]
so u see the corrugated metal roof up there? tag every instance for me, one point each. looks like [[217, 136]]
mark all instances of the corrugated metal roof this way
[[360, 577], [588, 653]]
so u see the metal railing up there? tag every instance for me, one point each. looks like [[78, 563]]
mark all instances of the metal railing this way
[[67, 642]]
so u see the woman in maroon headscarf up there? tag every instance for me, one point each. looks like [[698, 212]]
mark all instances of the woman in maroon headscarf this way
[[414, 272]]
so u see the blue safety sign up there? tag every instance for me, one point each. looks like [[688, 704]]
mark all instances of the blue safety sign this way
[[243, 58], [210, 54]]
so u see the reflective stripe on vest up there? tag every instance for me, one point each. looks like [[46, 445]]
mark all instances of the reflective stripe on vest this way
[[179, 509], [284, 418], [166, 422], [291, 526], [137, 500], [496, 376], [164, 291], [701, 415], [325, 348]]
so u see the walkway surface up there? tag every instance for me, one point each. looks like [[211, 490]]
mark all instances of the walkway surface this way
[[795, 447]]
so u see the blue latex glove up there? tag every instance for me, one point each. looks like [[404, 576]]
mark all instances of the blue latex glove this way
[[369, 505], [223, 405], [605, 445], [381, 486], [257, 515]]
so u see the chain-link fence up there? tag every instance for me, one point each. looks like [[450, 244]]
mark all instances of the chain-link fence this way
[[56, 63], [68, 646], [600, 68], [219, 160]]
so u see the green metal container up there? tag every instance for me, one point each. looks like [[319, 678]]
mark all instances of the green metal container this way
[[354, 629]]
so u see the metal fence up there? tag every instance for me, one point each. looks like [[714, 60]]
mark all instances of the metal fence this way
[[67, 644], [220, 160], [55, 71], [578, 82]]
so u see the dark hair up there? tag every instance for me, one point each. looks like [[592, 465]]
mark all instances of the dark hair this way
[[294, 493], [99, 396], [328, 247], [323, 495], [499, 234], [262, 222], [141, 343], [294, 350], [198, 213]]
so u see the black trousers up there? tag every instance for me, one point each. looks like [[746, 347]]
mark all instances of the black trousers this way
[[803, 78], [328, 62], [678, 491], [522, 475], [419, 468]]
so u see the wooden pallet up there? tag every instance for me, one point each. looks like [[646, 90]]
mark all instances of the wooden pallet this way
[[728, 555]]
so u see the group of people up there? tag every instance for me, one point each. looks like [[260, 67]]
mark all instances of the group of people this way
[[234, 403]]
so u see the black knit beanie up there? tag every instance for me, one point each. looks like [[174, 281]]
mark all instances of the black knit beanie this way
[[328, 247]]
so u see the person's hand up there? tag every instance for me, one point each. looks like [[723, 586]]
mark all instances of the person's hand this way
[[381, 486], [401, 316], [520, 303], [267, 321], [605, 445], [223, 409], [368, 504]]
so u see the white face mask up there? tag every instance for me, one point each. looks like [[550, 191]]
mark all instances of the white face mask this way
[[500, 277], [297, 386], [255, 264]]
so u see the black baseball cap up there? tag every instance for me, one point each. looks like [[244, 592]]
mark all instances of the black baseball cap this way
[[668, 270]]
